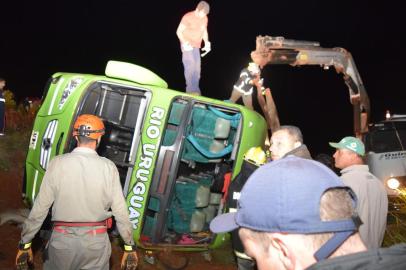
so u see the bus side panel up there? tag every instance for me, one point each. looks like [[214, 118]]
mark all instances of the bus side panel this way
[[253, 134], [51, 129], [151, 132]]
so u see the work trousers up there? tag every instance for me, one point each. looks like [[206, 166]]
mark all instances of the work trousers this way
[[78, 248], [246, 99], [192, 67]]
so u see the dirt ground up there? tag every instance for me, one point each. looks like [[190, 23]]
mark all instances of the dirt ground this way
[[165, 260], [12, 158]]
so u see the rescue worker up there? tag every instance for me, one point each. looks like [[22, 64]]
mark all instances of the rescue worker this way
[[254, 158], [244, 87], [84, 192]]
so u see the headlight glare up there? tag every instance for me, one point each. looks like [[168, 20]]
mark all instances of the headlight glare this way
[[393, 183]]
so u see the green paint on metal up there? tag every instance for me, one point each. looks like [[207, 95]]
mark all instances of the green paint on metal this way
[[134, 73]]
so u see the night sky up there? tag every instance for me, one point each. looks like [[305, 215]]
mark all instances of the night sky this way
[[39, 38]]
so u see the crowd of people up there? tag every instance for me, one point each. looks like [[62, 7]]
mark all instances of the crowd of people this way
[[289, 212], [286, 211], [275, 212], [295, 213]]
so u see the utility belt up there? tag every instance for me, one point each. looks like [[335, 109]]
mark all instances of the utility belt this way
[[59, 226]]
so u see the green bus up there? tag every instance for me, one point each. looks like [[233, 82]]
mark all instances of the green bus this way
[[173, 150]]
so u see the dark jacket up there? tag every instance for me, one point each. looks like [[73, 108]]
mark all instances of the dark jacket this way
[[392, 258], [243, 83], [233, 195], [300, 151]]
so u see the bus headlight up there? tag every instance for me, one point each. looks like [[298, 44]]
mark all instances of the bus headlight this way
[[393, 183]]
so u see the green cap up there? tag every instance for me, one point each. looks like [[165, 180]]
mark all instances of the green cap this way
[[350, 143]]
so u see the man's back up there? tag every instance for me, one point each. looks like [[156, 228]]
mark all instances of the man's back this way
[[84, 185], [372, 203], [81, 188], [392, 258]]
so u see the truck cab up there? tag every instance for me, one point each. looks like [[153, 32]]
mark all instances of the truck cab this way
[[172, 150], [386, 155]]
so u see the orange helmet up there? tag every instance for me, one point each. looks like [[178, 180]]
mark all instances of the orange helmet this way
[[88, 125]]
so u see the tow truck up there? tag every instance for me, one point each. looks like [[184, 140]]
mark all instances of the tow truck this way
[[280, 51]]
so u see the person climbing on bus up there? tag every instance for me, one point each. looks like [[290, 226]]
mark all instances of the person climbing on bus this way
[[244, 87]]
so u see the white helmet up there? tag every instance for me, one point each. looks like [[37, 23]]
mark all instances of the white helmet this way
[[253, 68]]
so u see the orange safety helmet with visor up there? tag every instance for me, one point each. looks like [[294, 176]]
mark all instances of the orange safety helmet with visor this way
[[89, 126]]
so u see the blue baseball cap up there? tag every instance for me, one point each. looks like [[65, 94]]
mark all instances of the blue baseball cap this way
[[284, 196]]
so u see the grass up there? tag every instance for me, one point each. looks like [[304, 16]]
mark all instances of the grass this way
[[396, 227], [13, 146], [19, 121]]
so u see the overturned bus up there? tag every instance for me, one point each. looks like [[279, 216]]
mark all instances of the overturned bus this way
[[173, 150]]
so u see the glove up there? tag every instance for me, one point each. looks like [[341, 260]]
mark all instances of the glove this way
[[266, 91], [130, 258], [207, 47], [186, 47], [24, 256]]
